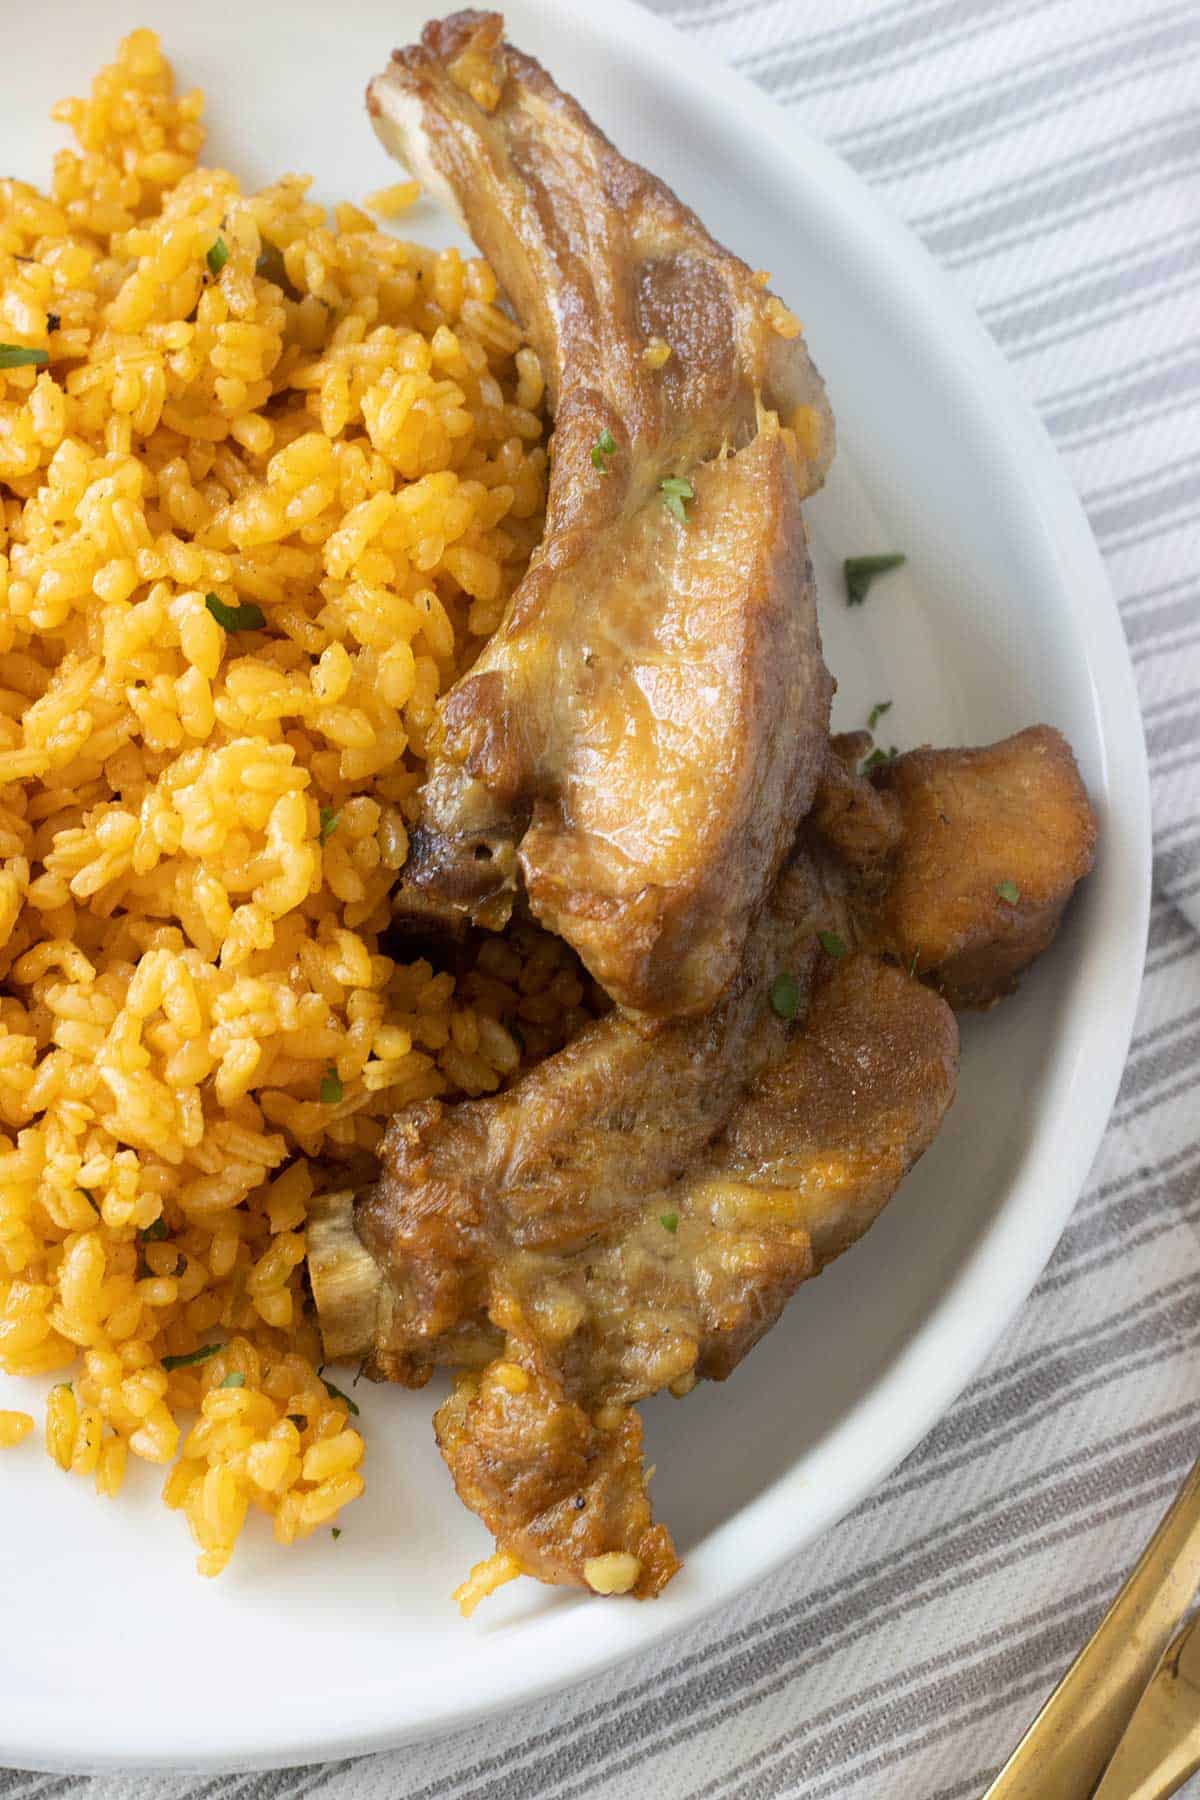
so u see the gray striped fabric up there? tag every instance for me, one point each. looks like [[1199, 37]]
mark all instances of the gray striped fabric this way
[[1048, 151]]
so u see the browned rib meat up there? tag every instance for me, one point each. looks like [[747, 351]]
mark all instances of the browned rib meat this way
[[537, 1444], [993, 844], [808, 1156], [564, 1156], [648, 722], [525, 1232], [557, 1487]]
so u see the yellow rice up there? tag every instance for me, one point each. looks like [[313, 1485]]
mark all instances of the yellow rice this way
[[200, 1023]]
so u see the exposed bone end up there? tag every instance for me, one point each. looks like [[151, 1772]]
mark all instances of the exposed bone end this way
[[398, 115], [346, 1282]]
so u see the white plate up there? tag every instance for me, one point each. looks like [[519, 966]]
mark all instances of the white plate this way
[[112, 1652]]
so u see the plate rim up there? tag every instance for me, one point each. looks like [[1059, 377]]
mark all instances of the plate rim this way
[[980, 1301]]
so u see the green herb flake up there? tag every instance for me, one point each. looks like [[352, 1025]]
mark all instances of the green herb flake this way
[[153, 1234], [331, 1087], [234, 1379], [604, 447], [861, 571], [785, 995], [329, 823], [248, 617], [18, 356], [335, 1532], [1008, 890], [676, 489], [877, 758], [192, 1357], [218, 256], [670, 1222], [337, 1394], [831, 943], [53, 321], [877, 712], [916, 957]]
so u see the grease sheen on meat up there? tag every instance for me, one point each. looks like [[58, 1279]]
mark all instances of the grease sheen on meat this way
[[648, 723], [635, 1211]]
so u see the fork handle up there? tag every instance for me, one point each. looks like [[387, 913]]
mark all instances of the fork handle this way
[[1069, 1744], [1161, 1745]]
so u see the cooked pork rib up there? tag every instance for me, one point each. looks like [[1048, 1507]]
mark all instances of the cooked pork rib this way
[[543, 1444], [558, 1486], [995, 842], [566, 1154], [523, 1235], [965, 859], [647, 724], [808, 1155]]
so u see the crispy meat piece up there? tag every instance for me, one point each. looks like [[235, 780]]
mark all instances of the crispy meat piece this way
[[635, 1212], [682, 1283], [543, 1445], [815, 1146], [992, 845], [647, 724], [555, 1162], [562, 1492]]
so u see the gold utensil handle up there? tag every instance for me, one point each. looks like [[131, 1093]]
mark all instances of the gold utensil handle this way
[[1065, 1750], [1161, 1745]]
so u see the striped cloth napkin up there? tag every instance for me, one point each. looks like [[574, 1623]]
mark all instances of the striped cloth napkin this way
[[1048, 152]]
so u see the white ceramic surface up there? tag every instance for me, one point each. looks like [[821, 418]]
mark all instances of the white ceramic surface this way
[[1002, 617]]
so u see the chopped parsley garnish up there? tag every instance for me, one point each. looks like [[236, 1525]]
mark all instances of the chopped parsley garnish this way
[[193, 1356], [676, 489], [53, 321], [335, 1532], [235, 1378], [670, 1222], [1008, 890], [17, 356], [218, 256], [153, 1234], [831, 943], [785, 995], [331, 1087], [877, 712], [329, 823], [604, 447], [878, 756], [916, 957], [337, 1394], [861, 571], [247, 617]]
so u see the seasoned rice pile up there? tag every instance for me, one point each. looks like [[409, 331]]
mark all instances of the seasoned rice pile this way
[[265, 485]]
